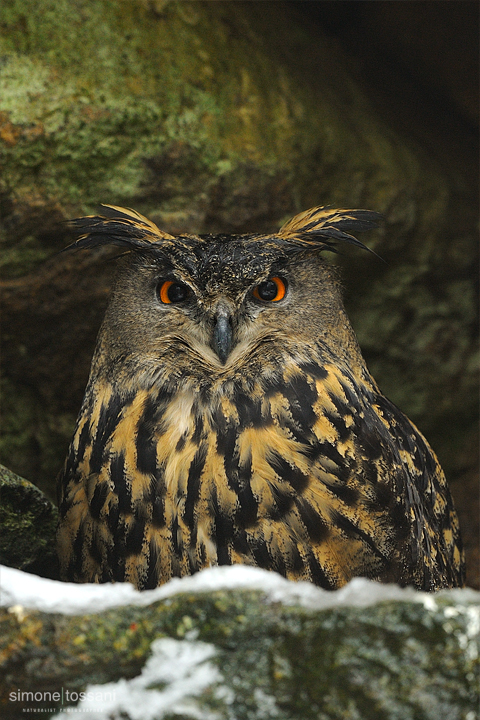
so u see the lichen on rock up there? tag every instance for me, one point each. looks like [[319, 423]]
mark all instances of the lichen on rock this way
[[28, 522]]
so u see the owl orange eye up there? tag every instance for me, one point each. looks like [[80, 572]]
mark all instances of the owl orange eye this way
[[170, 291], [272, 290]]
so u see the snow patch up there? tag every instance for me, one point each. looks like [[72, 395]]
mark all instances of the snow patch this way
[[25, 591], [172, 681]]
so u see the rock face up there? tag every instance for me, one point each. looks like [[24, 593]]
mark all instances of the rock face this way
[[237, 643], [221, 117], [28, 522]]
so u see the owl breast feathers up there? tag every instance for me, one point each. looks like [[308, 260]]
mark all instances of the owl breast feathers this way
[[229, 417]]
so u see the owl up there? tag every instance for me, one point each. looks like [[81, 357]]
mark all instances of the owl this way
[[229, 418]]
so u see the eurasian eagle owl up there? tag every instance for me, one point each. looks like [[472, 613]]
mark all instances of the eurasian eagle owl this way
[[230, 418]]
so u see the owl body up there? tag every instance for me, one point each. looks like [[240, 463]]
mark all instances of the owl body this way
[[230, 418]]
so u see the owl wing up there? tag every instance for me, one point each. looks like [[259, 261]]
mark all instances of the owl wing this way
[[434, 549], [389, 489]]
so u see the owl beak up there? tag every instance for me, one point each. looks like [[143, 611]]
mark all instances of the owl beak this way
[[222, 335]]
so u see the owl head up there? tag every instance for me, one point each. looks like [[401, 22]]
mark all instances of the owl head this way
[[221, 305]]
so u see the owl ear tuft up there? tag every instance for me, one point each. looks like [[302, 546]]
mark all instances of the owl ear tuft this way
[[322, 227], [118, 226]]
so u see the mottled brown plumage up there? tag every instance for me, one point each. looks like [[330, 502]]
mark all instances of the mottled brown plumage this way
[[230, 418]]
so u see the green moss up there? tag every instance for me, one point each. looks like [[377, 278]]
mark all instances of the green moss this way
[[390, 661], [23, 257], [32, 440], [94, 89], [119, 72], [28, 524]]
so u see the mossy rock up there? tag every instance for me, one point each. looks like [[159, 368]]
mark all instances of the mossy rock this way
[[28, 522], [290, 653]]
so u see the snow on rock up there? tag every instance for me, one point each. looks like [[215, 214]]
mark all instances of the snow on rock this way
[[35, 593], [176, 673], [295, 652]]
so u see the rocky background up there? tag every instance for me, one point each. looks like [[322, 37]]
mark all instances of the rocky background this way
[[233, 116]]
